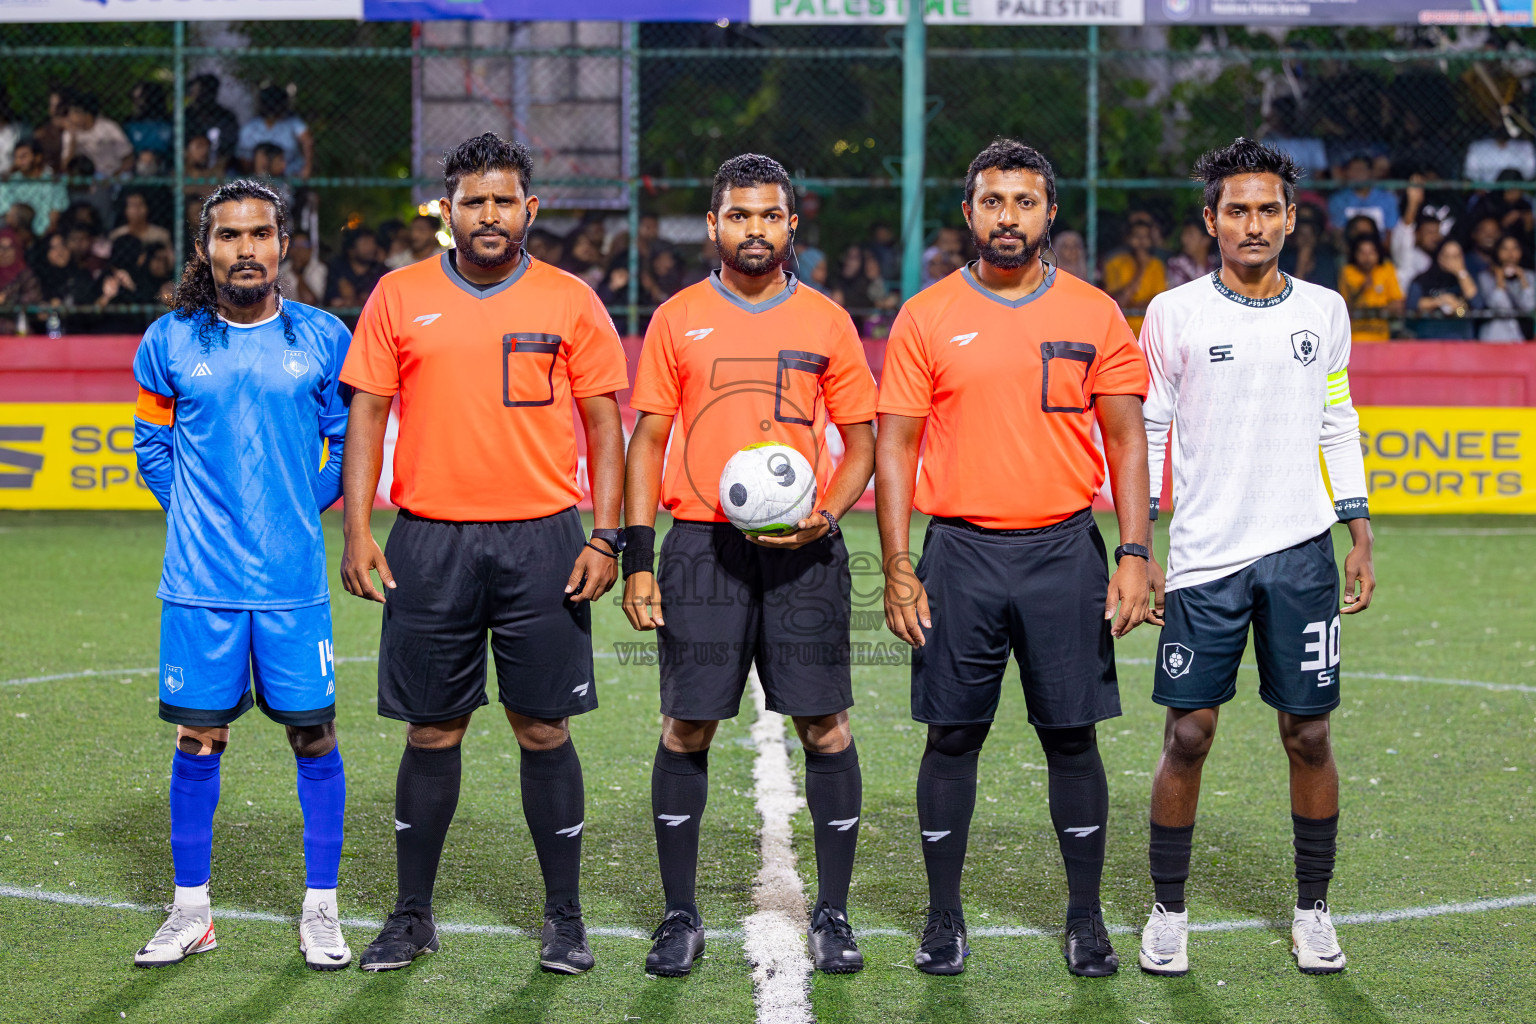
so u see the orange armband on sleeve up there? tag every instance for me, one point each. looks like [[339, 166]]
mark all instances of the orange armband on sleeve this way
[[153, 408]]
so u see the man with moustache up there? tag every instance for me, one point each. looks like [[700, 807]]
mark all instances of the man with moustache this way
[[1007, 364], [487, 349], [748, 355]]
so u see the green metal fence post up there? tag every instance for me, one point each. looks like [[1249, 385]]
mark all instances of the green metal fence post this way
[[1091, 171], [179, 200], [631, 168], [914, 87]]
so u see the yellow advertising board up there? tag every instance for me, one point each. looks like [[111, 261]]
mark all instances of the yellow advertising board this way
[[70, 455], [63, 455], [1427, 460]]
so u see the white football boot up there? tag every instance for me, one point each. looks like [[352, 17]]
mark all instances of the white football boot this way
[[1315, 943], [320, 939], [1165, 943], [186, 931]]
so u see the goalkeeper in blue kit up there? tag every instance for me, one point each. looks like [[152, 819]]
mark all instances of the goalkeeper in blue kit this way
[[238, 399]]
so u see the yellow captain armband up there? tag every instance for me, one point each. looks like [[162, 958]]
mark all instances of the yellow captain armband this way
[[1338, 387]]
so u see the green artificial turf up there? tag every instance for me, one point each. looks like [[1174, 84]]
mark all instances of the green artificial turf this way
[[1437, 799]]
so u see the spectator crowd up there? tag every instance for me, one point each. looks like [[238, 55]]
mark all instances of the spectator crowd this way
[[84, 236]]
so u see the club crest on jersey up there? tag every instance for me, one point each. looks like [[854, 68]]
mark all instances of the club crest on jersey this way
[[173, 679], [1304, 346], [296, 362], [1176, 660]]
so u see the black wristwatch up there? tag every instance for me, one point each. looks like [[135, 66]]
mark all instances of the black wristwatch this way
[[613, 538], [1138, 550]]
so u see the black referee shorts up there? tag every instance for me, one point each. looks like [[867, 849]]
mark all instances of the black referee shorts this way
[[728, 602], [455, 581], [1038, 593]]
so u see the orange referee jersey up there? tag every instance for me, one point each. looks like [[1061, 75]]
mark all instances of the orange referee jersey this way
[[486, 379], [1008, 390], [736, 373]]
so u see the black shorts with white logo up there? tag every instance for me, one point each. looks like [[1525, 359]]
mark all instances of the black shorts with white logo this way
[[728, 603], [454, 581], [1037, 593], [1291, 598]]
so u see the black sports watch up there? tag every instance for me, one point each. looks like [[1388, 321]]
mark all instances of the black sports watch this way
[[613, 538], [1138, 550]]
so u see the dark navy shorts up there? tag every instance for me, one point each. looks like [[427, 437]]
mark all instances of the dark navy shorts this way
[[729, 603], [1291, 598], [454, 582], [1036, 593]]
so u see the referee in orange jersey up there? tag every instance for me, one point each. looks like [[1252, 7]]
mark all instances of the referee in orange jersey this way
[[487, 350], [1006, 364]]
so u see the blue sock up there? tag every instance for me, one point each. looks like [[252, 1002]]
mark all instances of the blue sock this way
[[323, 797], [194, 795]]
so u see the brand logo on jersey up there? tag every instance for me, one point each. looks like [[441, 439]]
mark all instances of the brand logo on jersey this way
[[573, 831], [699, 333], [581, 691], [1176, 660], [202, 371], [965, 339], [1304, 345], [296, 362], [673, 820], [1221, 354], [426, 319], [173, 679], [1082, 831]]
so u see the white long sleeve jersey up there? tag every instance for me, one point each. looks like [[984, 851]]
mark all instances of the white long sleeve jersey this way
[[1252, 389]]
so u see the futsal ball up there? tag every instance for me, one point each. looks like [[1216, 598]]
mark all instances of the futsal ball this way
[[767, 488]]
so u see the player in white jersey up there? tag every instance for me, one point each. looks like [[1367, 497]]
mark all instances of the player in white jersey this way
[[1250, 369]]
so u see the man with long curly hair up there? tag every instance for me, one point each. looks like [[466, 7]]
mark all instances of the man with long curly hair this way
[[238, 432]]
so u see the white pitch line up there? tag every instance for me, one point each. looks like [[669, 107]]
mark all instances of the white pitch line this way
[[736, 934], [107, 674], [1388, 677], [775, 931], [365, 923]]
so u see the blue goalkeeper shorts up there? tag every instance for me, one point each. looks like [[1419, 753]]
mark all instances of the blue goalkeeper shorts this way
[[210, 657]]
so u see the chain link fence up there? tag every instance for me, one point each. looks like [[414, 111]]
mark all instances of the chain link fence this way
[[110, 135]]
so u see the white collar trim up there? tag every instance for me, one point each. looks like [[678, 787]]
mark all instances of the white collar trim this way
[[259, 323]]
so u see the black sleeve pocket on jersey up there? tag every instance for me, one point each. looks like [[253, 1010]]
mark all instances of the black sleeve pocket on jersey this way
[[528, 369], [801, 402], [1064, 369]]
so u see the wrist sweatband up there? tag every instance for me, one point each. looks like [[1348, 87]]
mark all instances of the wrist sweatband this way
[[639, 550]]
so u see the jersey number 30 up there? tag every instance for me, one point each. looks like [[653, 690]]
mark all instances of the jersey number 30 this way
[[1323, 645]]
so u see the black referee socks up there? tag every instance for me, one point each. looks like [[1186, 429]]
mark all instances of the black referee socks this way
[[946, 799], [1317, 841], [679, 789], [1079, 809], [554, 805], [834, 793], [426, 795]]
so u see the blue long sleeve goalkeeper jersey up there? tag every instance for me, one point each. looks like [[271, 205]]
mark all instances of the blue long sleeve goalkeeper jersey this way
[[231, 433]]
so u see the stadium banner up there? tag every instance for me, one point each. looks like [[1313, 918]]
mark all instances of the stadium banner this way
[[1462, 460], [61, 455], [1339, 12], [178, 10], [949, 12], [541, 10]]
